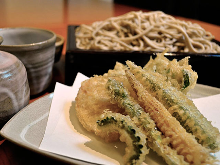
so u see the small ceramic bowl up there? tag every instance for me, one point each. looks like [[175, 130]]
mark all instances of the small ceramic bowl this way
[[59, 47], [14, 88], [36, 50]]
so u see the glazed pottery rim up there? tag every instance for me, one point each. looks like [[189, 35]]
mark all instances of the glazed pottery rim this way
[[60, 41], [32, 46], [1, 40]]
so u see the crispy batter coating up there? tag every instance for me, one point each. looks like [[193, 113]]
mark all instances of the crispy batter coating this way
[[184, 143], [135, 139], [178, 73], [119, 70], [171, 140], [91, 101], [180, 106], [156, 141]]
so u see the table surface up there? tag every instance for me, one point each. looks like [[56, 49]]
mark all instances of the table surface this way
[[56, 15]]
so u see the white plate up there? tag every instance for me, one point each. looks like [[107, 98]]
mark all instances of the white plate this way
[[27, 127]]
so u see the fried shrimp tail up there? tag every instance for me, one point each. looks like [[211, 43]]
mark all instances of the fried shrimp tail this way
[[129, 133], [142, 119], [184, 143], [179, 106]]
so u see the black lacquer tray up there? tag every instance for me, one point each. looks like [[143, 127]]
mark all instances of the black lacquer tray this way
[[91, 62]]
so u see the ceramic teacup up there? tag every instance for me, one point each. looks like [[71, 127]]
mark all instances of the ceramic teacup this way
[[36, 50], [14, 88]]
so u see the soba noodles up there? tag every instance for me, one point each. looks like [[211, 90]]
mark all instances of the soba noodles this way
[[145, 31]]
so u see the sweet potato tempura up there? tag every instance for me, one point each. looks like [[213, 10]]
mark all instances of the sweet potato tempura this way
[[92, 100]]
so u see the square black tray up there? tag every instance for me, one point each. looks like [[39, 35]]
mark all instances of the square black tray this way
[[98, 62]]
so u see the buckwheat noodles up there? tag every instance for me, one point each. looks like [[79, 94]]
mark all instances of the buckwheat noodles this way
[[145, 31]]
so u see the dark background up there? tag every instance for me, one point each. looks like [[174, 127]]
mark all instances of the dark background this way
[[203, 10]]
